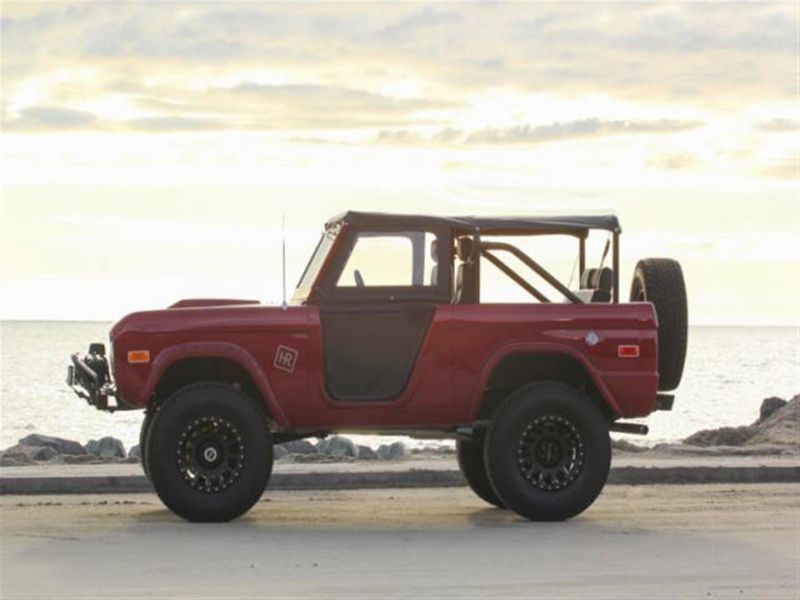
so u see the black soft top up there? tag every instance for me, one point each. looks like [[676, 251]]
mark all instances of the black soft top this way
[[577, 225]]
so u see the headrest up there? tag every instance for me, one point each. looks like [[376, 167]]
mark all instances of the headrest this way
[[435, 251], [464, 248], [604, 280], [587, 278], [597, 279]]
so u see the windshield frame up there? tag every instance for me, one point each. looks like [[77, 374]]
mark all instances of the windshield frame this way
[[314, 266]]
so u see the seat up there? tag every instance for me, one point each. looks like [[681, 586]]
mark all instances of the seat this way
[[600, 282], [435, 259], [466, 289]]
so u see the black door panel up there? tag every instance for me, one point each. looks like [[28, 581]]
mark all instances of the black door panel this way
[[370, 351]]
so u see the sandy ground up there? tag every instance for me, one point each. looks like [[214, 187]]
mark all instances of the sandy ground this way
[[635, 542]]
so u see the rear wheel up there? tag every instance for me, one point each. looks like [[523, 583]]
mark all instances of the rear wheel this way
[[209, 452], [473, 466], [660, 281], [548, 452]]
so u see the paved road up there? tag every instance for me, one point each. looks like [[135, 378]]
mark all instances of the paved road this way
[[706, 541]]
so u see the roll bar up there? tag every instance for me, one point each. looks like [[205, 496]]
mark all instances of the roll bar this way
[[487, 247]]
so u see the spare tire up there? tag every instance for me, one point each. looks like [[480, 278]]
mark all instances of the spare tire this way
[[660, 281]]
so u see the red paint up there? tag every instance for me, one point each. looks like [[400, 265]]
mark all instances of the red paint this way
[[462, 346]]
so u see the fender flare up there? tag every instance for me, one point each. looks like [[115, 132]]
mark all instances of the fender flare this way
[[168, 357], [538, 348]]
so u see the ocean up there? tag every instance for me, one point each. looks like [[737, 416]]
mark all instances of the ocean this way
[[729, 371]]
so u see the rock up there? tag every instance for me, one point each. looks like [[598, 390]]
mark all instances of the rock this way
[[279, 452], [60, 445], [367, 453], [15, 458], [626, 446], [43, 453], [724, 436], [394, 451], [135, 452], [106, 447], [317, 458], [769, 406], [338, 446], [20, 454], [781, 427], [299, 447], [434, 451]]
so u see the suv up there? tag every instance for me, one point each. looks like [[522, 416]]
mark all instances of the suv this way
[[386, 332]]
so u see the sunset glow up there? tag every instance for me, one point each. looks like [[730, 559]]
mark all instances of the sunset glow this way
[[150, 150]]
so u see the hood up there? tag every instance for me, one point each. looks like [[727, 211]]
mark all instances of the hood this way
[[200, 302], [209, 316]]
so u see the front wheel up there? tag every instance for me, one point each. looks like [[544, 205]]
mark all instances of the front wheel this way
[[209, 452], [548, 452], [149, 413]]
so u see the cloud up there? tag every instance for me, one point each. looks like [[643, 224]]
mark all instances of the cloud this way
[[321, 106], [246, 105], [779, 126], [173, 124], [402, 137], [673, 161], [527, 134], [35, 118], [788, 168], [537, 134], [642, 51], [422, 20]]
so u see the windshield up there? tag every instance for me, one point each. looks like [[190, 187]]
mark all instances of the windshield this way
[[313, 267]]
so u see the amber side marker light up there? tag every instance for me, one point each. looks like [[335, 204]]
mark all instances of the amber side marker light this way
[[139, 356], [628, 351]]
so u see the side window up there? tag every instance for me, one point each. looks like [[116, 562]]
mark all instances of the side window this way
[[391, 259]]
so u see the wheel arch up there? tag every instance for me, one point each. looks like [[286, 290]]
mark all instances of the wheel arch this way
[[182, 365], [513, 366]]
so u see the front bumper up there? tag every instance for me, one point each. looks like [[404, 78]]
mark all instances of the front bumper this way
[[90, 378]]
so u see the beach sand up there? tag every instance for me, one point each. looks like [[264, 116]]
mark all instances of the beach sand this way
[[646, 541]]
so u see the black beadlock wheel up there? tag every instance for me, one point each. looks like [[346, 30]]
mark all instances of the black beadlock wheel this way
[[209, 452], [548, 451], [473, 466], [660, 281], [551, 452]]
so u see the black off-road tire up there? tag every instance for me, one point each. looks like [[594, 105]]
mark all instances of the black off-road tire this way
[[193, 419], [660, 281], [149, 413], [518, 451], [473, 467]]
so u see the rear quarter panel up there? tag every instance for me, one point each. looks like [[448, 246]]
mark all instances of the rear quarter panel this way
[[486, 333]]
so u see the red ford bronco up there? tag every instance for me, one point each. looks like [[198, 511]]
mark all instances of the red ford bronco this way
[[387, 333]]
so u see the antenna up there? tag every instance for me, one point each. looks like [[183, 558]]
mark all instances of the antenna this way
[[284, 304]]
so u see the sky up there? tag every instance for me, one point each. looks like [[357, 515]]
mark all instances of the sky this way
[[150, 150]]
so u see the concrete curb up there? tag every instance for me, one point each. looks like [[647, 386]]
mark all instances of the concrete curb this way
[[344, 480]]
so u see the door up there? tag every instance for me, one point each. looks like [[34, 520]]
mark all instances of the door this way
[[376, 312]]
